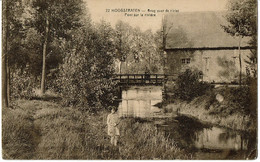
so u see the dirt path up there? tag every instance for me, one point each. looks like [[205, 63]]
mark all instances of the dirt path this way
[[33, 107]]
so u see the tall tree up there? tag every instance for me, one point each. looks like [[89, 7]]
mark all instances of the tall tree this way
[[137, 43], [54, 20], [141, 54], [4, 55], [12, 30], [252, 58], [161, 54], [242, 18], [122, 39], [166, 27], [153, 54], [15, 54]]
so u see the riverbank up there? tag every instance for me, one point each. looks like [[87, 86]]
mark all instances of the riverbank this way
[[229, 106], [200, 109], [36, 129]]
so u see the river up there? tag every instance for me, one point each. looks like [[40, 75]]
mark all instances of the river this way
[[204, 141]]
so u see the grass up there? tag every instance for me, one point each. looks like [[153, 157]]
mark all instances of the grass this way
[[16, 135], [37, 129], [143, 141], [235, 121]]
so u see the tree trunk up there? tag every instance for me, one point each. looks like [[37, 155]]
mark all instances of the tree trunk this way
[[126, 66], [5, 102], [120, 67], [240, 62], [8, 81], [149, 66], [44, 56]]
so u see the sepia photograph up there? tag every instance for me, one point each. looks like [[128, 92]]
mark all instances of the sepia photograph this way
[[129, 79]]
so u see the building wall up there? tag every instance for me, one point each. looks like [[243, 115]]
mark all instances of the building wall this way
[[216, 65]]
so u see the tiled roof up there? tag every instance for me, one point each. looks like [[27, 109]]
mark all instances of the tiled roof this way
[[199, 30]]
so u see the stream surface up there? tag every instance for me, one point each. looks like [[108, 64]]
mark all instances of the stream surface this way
[[205, 141]]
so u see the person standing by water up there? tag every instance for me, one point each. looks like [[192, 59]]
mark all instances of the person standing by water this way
[[112, 124]]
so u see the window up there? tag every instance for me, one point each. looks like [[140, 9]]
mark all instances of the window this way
[[207, 59], [185, 61]]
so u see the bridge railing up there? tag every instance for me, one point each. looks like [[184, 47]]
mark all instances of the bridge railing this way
[[140, 78]]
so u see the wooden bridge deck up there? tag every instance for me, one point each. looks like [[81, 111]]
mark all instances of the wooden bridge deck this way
[[149, 79], [153, 79]]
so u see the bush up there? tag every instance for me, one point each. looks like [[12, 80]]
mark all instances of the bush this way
[[188, 85], [22, 84], [83, 87], [244, 99], [240, 100], [85, 77]]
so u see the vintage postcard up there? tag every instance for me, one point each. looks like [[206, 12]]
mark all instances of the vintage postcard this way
[[129, 79]]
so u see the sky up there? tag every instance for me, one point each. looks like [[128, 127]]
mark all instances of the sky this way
[[98, 8]]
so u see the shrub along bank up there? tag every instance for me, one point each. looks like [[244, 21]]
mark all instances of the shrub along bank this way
[[236, 111]]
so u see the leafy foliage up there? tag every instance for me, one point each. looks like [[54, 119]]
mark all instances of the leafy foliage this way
[[241, 96], [242, 17], [85, 76], [252, 58], [16, 34], [136, 50], [80, 55], [22, 84], [242, 99], [54, 21], [63, 16], [122, 38], [188, 85]]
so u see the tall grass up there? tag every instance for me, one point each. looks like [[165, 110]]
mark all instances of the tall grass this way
[[144, 141], [49, 131], [17, 135]]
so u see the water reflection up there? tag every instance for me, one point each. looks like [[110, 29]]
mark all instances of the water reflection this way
[[191, 133], [140, 101], [182, 129], [220, 138], [186, 131]]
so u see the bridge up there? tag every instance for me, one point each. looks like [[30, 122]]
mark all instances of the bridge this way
[[141, 79], [154, 79]]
